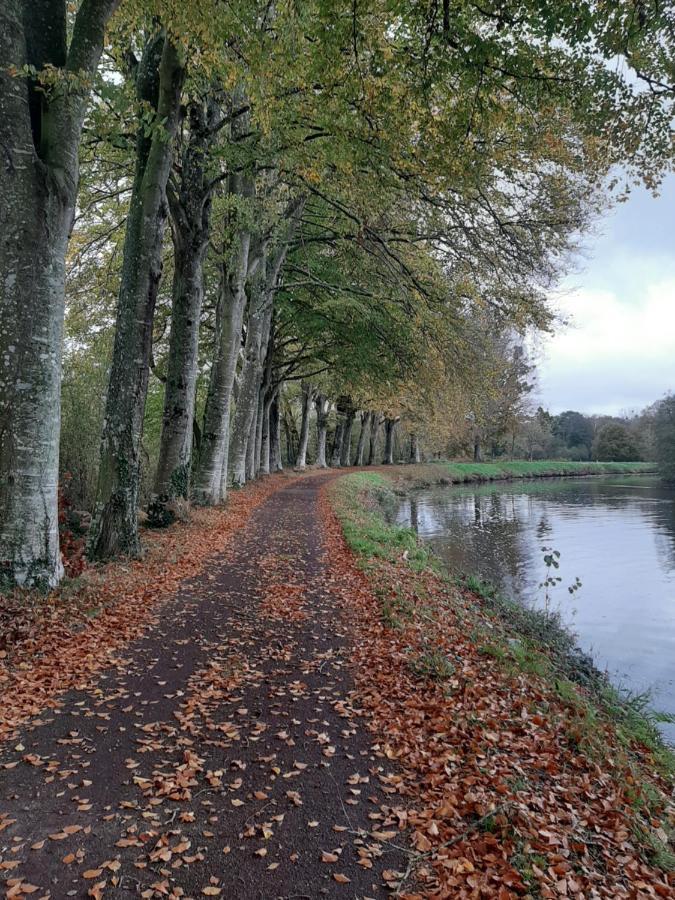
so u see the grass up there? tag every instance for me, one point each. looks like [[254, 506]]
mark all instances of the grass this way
[[519, 639], [444, 472]]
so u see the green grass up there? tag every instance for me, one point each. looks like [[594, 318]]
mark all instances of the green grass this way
[[444, 472]]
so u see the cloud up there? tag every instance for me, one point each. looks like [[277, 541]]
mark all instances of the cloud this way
[[617, 354]]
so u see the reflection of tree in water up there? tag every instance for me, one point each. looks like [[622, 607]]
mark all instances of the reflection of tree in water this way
[[414, 517], [498, 533], [481, 534], [544, 528]]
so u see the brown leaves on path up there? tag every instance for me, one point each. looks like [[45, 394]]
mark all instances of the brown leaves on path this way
[[51, 644]]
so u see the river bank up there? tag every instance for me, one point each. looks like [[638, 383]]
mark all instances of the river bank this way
[[513, 715], [443, 472]]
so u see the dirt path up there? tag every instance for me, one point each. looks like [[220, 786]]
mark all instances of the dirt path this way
[[221, 756]]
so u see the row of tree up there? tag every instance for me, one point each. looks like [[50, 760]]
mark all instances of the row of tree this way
[[372, 200]]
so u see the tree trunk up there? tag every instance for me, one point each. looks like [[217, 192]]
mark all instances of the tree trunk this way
[[414, 448], [291, 432], [375, 425], [307, 395], [337, 444], [366, 418], [252, 446], [247, 400], [190, 209], [389, 427], [321, 406], [276, 464], [257, 335], [346, 445], [38, 186], [477, 453], [210, 483], [115, 527], [266, 444]]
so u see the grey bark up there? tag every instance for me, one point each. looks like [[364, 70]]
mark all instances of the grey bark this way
[[115, 527], [242, 440], [257, 335], [307, 396], [389, 428], [322, 407], [337, 443], [39, 174], [477, 450], [414, 456], [346, 446], [366, 418], [190, 212], [375, 425], [210, 482], [276, 463]]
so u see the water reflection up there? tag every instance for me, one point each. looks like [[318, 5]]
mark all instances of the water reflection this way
[[616, 534]]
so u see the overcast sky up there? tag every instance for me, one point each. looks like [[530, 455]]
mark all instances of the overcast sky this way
[[619, 353]]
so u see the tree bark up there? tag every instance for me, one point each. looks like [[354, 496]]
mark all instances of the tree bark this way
[[39, 174], [257, 335], [375, 425], [276, 463], [477, 452], [337, 443], [366, 418], [322, 407], [389, 427], [307, 396], [414, 448], [210, 483], [346, 447], [190, 210], [115, 526], [244, 421]]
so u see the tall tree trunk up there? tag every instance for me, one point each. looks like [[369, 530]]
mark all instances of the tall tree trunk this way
[[477, 452], [190, 210], [244, 421], [115, 527], [414, 456], [257, 335], [210, 482], [307, 396], [346, 448], [322, 407], [366, 418], [375, 425], [291, 432], [337, 442], [38, 185], [276, 463], [265, 443], [252, 445], [264, 402], [389, 427]]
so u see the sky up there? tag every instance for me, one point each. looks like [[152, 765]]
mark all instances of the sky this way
[[618, 353]]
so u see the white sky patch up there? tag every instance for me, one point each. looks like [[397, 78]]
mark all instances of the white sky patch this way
[[615, 355]]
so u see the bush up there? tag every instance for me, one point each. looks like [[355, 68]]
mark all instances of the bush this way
[[615, 443]]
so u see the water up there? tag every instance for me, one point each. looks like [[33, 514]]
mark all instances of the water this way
[[617, 534]]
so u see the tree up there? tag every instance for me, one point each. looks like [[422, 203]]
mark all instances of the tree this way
[[159, 82], [575, 431], [615, 443], [664, 427], [44, 90]]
